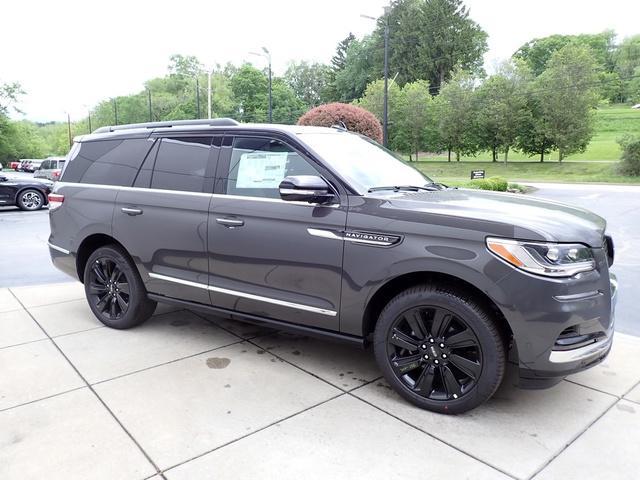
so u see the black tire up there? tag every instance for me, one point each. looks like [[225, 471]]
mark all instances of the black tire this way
[[30, 200], [439, 349], [114, 289]]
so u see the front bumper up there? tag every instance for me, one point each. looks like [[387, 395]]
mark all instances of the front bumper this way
[[558, 363]]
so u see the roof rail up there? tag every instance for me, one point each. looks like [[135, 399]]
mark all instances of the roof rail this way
[[214, 122]]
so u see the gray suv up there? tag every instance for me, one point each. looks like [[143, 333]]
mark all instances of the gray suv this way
[[324, 232]]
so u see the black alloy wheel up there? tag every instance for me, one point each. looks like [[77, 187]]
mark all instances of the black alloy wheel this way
[[113, 287], [109, 288], [440, 348], [434, 353]]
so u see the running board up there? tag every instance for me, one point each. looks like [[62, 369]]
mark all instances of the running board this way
[[263, 321]]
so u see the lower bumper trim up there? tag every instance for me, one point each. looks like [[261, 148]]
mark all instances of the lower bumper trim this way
[[582, 354]]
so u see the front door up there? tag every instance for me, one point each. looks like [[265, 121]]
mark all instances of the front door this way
[[263, 260]]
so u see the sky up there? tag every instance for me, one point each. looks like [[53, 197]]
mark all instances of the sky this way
[[69, 55]]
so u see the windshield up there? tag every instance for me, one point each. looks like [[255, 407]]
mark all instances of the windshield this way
[[362, 162]]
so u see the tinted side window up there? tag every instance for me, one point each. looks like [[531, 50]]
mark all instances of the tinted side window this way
[[258, 165], [108, 162], [181, 164], [46, 165]]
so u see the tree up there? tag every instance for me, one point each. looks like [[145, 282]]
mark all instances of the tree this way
[[356, 119], [9, 95], [187, 65], [455, 113], [568, 93], [501, 109], [630, 160], [537, 53], [627, 66], [351, 81], [372, 101], [287, 107], [428, 39], [415, 118], [309, 81]]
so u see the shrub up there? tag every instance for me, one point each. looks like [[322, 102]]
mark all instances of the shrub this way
[[630, 156], [356, 119], [497, 184]]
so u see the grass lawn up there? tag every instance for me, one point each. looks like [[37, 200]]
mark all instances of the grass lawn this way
[[611, 123], [597, 164], [455, 173]]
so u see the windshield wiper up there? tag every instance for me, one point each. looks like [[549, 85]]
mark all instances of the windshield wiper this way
[[411, 188]]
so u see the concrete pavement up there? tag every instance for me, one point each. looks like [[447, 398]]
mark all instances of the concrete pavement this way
[[187, 396]]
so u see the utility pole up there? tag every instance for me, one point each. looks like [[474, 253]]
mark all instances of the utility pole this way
[[69, 127], [90, 130], [385, 102], [209, 73], [385, 108], [115, 110], [150, 111], [198, 95]]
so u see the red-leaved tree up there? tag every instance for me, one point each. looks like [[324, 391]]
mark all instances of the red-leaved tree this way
[[356, 119]]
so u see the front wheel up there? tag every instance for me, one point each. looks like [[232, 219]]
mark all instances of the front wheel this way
[[114, 289], [30, 200], [439, 349]]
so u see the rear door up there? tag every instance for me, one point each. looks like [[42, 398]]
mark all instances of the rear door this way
[[263, 259], [162, 220]]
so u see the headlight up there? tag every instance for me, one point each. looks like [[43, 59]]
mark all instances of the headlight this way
[[548, 259]]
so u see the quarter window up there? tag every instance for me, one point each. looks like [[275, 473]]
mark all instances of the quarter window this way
[[258, 165], [181, 164], [107, 162]]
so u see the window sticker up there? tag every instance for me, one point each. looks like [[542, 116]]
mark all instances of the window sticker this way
[[261, 169]]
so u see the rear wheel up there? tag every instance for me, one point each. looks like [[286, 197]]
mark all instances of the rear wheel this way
[[30, 199], [439, 349], [114, 289]]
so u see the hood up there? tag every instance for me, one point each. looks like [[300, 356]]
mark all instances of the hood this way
[[532, 218]]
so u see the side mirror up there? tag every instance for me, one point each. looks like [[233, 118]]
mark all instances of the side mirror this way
[[305, 188], [3, 178]]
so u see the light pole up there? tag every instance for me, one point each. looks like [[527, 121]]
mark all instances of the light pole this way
[[385, 102], [115, 110], [150, 111], [209, 73], [88, 115], [69, 128], [198, 95], [267, 55]]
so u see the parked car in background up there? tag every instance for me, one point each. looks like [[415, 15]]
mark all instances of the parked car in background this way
[[14, 165], [29, 165], [26, 194], [50, 168]]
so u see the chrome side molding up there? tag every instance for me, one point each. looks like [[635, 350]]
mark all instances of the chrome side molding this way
[[58, 249], [259, 298]]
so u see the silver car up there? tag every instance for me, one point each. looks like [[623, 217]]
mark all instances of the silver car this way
[[50, 169]]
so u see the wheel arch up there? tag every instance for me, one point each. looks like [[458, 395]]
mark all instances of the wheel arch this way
[[401, 282], [88, 246]]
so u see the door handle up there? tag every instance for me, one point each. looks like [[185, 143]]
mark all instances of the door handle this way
[[230, 222], [131, 211]]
